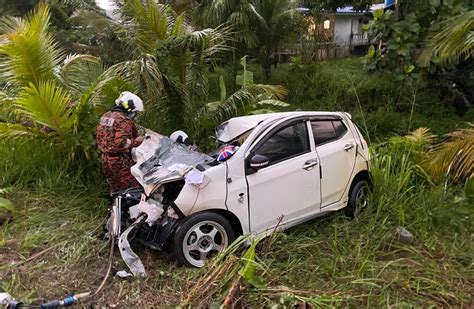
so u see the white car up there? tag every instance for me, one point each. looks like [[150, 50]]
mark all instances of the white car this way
[[288, 168]]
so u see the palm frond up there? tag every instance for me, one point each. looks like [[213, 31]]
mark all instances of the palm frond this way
[[79, 72], [13, 130], [176, 104], [146, 23], [7, 102], [272, 102], [145, 72], [240, 101], [261, 111], [29, 52], [47, 105], [454, 42], [421, 136], [93, 22], [10, 24], [454, 157]]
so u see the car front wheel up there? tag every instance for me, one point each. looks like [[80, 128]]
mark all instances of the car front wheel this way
[[358, 199], [201, 237]]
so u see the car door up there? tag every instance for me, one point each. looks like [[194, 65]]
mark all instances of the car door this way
[[336, 150], [289, 186]]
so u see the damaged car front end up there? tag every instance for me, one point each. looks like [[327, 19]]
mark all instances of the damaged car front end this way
[[149, 214]]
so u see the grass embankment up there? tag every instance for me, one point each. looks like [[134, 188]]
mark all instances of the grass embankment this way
[[340, 85], [53, 245], [330, 261]]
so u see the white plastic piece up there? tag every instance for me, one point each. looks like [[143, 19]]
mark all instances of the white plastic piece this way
[[152, 209], [194, 177], [124, 274], [5, 298], [131, 258], [134, 212]]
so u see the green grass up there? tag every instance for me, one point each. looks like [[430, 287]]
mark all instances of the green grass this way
[[329, 262], [333, 85]]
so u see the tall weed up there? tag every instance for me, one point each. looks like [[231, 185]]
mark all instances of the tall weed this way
[[43, 168]]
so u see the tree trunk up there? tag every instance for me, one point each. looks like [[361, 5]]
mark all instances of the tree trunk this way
[[267, 65], [267, 69], [275, 58]]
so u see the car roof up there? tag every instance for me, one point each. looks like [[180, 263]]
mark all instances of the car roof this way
[[237, 126]]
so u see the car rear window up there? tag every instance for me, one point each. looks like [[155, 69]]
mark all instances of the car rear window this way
[[326, 130]]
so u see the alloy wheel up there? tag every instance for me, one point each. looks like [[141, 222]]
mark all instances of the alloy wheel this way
[[204, 240]]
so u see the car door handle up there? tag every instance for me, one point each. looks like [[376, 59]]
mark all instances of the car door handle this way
[[308, 165], [348, 147]]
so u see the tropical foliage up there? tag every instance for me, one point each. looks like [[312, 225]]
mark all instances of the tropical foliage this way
[[453, 159], [455, 42], [260, 26], [275, 22], [170, 62], [168, 59], [400, 38], [46, 93], [430, 38], [249, 99], [188, 73]]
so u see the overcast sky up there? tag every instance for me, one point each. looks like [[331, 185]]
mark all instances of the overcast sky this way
[[105, 4], [108, 6]]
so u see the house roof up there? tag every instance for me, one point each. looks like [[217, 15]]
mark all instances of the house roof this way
[[349, 10]]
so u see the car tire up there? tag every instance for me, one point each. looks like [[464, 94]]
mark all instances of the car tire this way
[[201, 236], [358, 199]]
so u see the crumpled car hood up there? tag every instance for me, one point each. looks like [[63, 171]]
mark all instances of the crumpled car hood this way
[[159, 159]]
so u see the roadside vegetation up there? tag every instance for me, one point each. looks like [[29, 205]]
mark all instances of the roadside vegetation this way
[[53, 200]]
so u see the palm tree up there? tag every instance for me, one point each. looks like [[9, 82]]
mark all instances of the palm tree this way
[[274, 21], [262, 25], [170, 61], [237, 14], [48, 94], [454, 42]]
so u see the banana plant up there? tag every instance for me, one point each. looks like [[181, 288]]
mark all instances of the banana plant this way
[[249, 99]]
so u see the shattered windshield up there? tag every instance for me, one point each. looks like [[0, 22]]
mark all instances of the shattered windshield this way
[[221, 130], [160, 158], [222, 135]]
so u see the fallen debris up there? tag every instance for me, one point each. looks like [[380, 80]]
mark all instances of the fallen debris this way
[[131, 259], [404, 236]]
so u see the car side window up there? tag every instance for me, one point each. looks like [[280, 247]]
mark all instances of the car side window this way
[[340, 128], [326, 130], [286, 143]]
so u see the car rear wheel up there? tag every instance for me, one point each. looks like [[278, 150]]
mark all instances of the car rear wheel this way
[[200, 237], [358, 199]]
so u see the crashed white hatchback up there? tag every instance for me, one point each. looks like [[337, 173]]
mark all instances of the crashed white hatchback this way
[[287, 168]]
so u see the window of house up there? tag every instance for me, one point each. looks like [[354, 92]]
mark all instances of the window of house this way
[[286, 143], [327, 24], [325, 131]]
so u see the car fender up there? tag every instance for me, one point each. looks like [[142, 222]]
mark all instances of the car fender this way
[[193, 199]]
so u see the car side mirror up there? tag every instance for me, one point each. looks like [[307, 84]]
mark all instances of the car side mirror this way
[[258, 161]]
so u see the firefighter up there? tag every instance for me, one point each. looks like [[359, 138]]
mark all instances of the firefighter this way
[[117, 134]]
